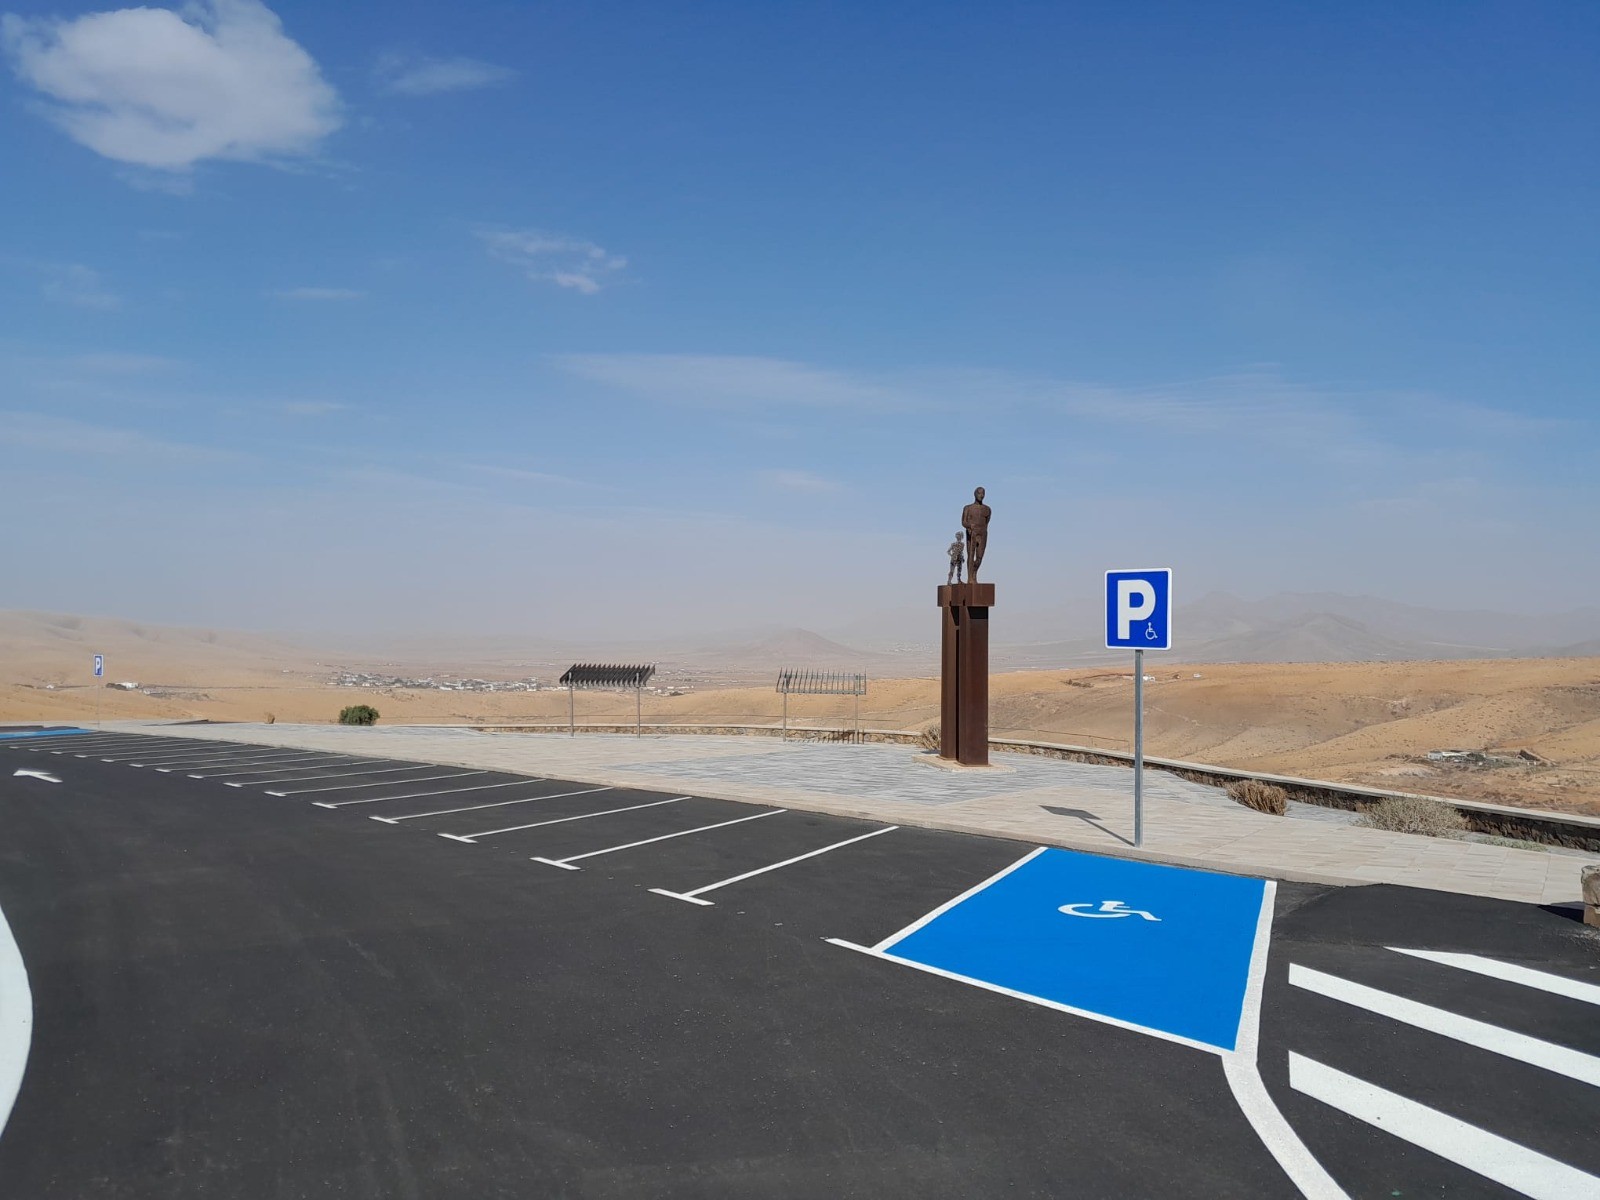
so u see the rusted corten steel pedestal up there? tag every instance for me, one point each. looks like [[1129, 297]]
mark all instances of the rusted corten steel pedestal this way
[[964, 695]]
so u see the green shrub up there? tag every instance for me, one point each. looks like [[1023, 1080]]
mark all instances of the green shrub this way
[[1263, 797], [1412, 814], [358, 714]]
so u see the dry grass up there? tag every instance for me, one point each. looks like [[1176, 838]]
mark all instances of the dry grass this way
[[1263, 797], [1412, 814], [930, 737]]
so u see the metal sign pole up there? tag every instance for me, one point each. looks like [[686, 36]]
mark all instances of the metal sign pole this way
[[786, 715], [638, 712], [572, 709], [1138, 747]]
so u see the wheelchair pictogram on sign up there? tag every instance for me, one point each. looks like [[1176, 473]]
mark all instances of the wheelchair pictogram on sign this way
[[1107, 908]]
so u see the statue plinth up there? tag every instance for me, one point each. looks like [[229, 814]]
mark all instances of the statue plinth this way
[[964, 662]]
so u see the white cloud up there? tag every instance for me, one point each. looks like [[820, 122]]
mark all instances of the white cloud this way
[[153, 88], [318, 293], [801, 481], [549, 258], [430, 76], [312, 408], [79, 286]]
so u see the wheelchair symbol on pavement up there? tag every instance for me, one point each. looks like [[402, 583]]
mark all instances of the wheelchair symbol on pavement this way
[[1108, 908]]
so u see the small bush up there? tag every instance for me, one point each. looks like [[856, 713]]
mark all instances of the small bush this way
[[358, 714], [1411, 814], [1263, 797], [930, 737]]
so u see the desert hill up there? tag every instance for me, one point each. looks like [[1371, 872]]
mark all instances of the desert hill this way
[[790, 647], [37, 647], [1371, 721]]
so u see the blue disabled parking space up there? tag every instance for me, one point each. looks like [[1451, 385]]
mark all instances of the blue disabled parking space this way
[[1164, 949], [15, 734]]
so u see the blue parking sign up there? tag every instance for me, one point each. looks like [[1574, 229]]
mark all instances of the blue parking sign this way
[[1139, 609], [99, 665]]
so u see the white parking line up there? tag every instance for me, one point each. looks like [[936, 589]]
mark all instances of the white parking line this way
[[949, 904], [348, 775], [1558, 985], [493, 804], [81, 739], [345, 787], [109, 746], [1574, 1064], [566, 863], [1513, 1166], [257, 766], [477, 787], [160, 752], [149, 753], [57, 739], [76, 747], [694, 896], [273, 768], [315, 760], [471, 838], [16, 1019], [150, 760], [168, 765]]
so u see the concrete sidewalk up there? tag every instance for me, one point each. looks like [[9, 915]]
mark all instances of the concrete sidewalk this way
[[1033, 799]]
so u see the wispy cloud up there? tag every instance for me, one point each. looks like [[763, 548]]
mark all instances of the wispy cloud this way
[[79, 286], [312, 408], [725, 381], [789, 480], [63, 435], [520, 475], [318, 293], [413, 76], [551, 258], [156, 89]]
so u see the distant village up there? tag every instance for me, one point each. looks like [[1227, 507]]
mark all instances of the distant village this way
[[448, 683], [372, 679]]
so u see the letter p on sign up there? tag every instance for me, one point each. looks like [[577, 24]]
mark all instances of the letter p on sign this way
[[1136, 600], [1139, 609]]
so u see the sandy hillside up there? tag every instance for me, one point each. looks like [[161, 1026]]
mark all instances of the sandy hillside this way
[[1370, 723]]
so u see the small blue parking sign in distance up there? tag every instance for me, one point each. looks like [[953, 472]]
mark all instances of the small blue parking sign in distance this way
[[1139, 609], [99, 665]]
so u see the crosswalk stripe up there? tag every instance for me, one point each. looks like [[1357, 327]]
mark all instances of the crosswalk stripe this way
[[1507, 1163], [1558, 985], [1574, 1064]]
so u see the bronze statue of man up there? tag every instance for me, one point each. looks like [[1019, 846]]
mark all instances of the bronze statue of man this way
[[975, 520], [956, 551]]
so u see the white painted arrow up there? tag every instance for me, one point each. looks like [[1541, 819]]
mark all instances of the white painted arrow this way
[[30, 774]]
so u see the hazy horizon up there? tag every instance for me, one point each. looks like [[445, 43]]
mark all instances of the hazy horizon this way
[[649, 323]]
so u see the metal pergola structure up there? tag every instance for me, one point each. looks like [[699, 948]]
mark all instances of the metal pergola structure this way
[[607, 677], [805, 682]]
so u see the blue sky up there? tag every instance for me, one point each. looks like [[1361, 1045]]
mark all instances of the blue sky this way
[[653, 318]]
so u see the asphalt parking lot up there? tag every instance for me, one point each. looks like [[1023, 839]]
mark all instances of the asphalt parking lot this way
[[266, 972]]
